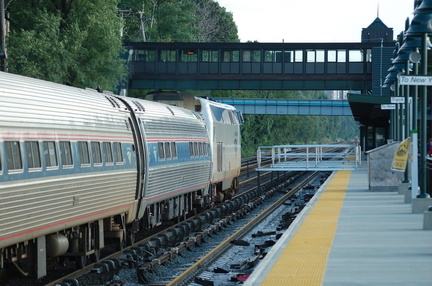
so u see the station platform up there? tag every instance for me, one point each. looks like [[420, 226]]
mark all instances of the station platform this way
[[348, 235]]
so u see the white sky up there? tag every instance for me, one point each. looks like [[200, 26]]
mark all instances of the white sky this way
[[314, 20]]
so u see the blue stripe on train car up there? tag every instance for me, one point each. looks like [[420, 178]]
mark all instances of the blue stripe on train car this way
[[129, 162], [183, 155]]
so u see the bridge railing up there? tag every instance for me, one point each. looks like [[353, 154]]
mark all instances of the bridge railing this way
[[309, 157]]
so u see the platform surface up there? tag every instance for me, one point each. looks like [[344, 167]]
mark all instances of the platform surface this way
[[360, 238]]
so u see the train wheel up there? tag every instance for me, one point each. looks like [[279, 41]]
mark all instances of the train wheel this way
[[95, 256], [220, 197], [121, 244], [80, 261], [131, 238]]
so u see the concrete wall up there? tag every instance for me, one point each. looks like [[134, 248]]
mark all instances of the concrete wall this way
[[381, 177]]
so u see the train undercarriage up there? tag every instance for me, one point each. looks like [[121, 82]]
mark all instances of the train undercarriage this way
[[83, 244]]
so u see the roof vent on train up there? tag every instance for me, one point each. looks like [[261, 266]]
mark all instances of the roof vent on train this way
[[139, 106], [113, 102]]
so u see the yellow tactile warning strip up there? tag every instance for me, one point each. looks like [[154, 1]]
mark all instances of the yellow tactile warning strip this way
[[304, 260]]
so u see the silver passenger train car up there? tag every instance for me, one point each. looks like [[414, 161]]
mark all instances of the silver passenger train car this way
[[80, 167], [223, 126]]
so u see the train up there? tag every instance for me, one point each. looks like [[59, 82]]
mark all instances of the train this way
[[81, 167]]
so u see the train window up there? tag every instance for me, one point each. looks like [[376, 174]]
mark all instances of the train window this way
[[225, 117], [239, 116], [202, 152], [1, 166], [174, 150], [96, 153], [161, 150], [33, 154], [196, 149], [167, 150], [217, 112], [13, 155], [66, 153], [50, 153], [118, 155], [191, 149], [107, 150], [231, 117], [84, 152]]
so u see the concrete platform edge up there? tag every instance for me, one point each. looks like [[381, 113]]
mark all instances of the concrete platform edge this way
[[259, 274]]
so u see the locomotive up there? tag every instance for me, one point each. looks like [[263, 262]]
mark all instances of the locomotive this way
[[79, 167]]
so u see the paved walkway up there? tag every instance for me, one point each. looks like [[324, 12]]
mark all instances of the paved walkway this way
[[377, 241]]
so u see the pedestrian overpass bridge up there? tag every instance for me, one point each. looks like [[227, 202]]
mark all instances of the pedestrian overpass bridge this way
[[278, 106], [259, 66]]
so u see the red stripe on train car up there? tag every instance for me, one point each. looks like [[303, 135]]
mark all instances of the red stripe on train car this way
[[176, 192], [62, 222]]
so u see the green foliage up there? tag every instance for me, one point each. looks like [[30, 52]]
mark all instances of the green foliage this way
[[214, 23], [177, 21], [74, 42]]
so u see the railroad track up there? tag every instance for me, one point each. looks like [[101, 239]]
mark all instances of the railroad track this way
[[194, 271], [159, 248], [146, 267]]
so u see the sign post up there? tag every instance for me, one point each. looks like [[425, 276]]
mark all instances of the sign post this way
[[414, 166], [420, 80]]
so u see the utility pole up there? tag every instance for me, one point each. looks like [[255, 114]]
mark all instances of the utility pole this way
[[3, 55]]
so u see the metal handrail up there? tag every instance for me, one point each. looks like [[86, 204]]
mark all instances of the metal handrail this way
[[311, 157]]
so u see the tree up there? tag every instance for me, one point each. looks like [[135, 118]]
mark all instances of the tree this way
[[215, 23], [178, 21], [73, 42]]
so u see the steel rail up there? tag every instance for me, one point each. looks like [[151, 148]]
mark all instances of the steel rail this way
[[188, 274]]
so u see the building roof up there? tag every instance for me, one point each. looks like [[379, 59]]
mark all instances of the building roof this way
[[367, 110], [377, 24]]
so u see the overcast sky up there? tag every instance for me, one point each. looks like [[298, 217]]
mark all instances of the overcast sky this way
[[314, 20]]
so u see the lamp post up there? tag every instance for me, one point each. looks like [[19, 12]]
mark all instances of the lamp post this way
[[410, 47], [403, 61], [390, 81], [421, 25]]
